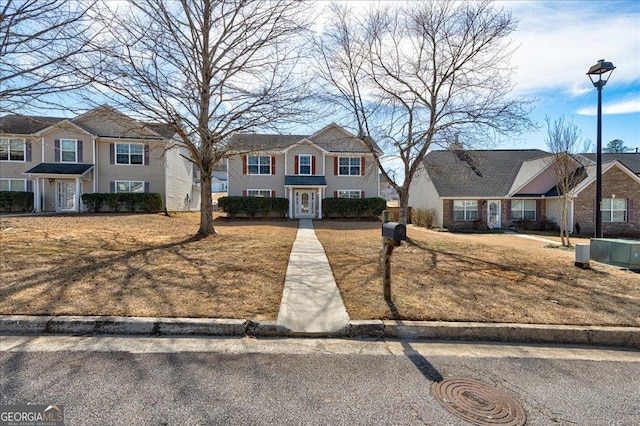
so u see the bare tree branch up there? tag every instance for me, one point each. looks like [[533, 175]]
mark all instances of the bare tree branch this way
[[207, 68], [420, 74]]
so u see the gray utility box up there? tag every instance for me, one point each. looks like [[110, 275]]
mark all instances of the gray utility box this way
[[622, 253]]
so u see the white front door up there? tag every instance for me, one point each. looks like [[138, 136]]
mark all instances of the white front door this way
[[66, 195], [493, 214], [305, 204]]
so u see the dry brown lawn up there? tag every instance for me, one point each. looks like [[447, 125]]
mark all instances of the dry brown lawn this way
[[142, 265], [487, 278]]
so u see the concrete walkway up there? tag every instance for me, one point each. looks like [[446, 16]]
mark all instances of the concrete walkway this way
[[311, 302]]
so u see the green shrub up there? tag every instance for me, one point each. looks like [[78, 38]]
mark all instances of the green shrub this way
[[135, 201], [423, 217], [254, 206], [93, 202], [16, 201], [361, 208]]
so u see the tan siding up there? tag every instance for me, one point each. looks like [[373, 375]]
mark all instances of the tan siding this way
[[67, 133], [367, 183], [239, 182], [153, 173]]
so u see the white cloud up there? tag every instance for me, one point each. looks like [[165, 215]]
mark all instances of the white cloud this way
[[559, 41], [626, 107]]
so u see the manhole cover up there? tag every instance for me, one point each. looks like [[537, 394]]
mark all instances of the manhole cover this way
[[478, 403]]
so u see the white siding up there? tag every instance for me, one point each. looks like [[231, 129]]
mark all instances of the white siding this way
[[181, 194], [423, 195]]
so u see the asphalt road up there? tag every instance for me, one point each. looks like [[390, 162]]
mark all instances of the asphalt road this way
[[156, 381]]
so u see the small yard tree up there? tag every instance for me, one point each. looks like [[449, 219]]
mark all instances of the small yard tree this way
[[563, 142]]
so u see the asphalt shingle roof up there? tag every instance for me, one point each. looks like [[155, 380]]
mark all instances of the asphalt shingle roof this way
[[24, 125], [630, 160], [59, 169], [268, 142], [477, 173], [305, 180]]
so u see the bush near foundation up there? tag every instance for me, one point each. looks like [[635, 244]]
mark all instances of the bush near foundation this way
[[359, 208], [254, 207], [16, 201], [148, 202]]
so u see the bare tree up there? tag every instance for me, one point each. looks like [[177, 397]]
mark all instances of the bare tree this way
[[420, 74], [564, 141], [207, 68], [37, 39]]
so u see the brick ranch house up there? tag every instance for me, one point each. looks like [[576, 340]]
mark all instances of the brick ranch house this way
[[496, 188]]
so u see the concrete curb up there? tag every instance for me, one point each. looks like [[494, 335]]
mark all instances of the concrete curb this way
[[625, 337]]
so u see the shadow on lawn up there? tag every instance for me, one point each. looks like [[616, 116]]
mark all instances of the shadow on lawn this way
[[565, 287], [127, 279]]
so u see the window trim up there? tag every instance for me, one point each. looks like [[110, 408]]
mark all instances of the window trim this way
[[258, 165], [465, 211], [611, 210], [259, 190], [115, 154], [300, 165], [523, 209], [359, 191], [129, 182], [350, 166], [75, 150], [12, 179], [24, 150]]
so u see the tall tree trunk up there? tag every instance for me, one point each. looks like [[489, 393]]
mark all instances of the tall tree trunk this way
[[403, 204], [206, 208]]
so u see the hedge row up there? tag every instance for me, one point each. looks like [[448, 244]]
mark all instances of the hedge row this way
[[254, 206], [16, 201], [361, 208], [132, 201]]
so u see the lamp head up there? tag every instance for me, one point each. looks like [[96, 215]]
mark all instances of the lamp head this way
[[600, 72]]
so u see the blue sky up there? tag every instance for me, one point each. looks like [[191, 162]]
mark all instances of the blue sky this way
[[559, 41]]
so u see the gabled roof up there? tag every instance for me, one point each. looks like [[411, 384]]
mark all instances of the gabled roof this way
[[606, 166], [477, 173], [103, 121], [253, 142], [630, 160], [25, 125]]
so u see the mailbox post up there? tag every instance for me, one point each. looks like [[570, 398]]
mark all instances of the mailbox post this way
[[393, 234]]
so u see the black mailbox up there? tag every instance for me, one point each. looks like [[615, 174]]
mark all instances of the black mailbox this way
[[394, 231]]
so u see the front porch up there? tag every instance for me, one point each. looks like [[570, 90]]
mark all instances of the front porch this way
[[305, 194], [66, 185]]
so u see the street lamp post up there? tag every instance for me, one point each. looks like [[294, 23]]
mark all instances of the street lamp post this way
[[599, 75]]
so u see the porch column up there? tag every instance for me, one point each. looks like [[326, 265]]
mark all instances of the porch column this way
[[319, 203], [77, 195], [36, 195], [290, 202]]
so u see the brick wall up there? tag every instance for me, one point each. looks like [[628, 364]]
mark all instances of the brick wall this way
[[617, 182]]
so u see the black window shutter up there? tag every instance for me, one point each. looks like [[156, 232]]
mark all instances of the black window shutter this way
[[56, 153], [146, 154], [79, 151], [29, 185], [112, 153], [112, 186], [146, 187], [28, 154], [629, 210]]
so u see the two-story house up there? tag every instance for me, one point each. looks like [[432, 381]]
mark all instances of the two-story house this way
[[305, 169], [101, 151]]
